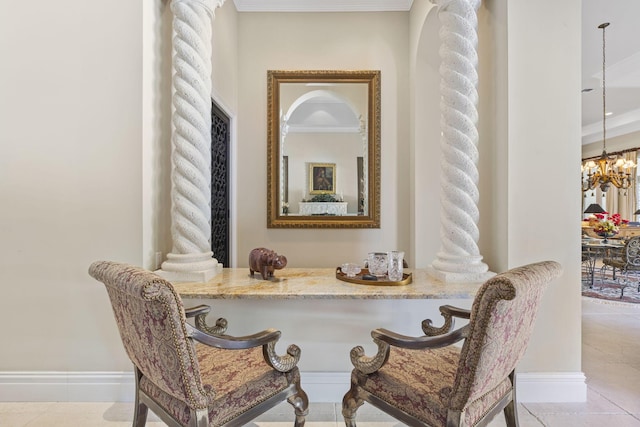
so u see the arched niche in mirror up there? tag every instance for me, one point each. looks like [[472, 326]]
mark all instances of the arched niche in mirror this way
[[323, 149]]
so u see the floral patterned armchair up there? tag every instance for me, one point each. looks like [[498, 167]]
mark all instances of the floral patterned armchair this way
[[195, 375], [427, 381]]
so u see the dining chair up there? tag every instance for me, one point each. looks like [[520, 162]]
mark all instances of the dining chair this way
[[195, 375], [430, 381]]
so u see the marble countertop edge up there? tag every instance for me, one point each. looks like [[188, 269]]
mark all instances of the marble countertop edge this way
[[318, 284]]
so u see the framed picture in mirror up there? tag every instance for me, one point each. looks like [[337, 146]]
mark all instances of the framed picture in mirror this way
[[322, 178]]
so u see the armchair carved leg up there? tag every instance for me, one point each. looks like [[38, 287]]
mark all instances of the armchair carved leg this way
[[511, 410], [140, 409], [350, 404], [511, 414], [300, 403]]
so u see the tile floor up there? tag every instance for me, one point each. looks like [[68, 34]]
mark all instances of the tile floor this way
[[610, 357]]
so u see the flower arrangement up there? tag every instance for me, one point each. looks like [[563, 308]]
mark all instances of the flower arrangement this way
[[322, 198], [606, 225]]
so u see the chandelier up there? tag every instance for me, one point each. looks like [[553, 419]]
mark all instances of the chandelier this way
[[607, 169]]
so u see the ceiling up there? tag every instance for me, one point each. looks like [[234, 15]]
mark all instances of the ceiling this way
[[622, 54], [622, 67]]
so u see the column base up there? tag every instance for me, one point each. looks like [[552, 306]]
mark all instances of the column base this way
[[189, 267], [451, 277], [459, 269]]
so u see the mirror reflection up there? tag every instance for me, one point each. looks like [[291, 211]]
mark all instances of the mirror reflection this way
[[323, 149]]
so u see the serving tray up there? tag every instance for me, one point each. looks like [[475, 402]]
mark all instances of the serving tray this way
[[381, 281]]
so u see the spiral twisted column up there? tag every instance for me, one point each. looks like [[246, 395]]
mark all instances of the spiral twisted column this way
[[459, 258], [191, 257]]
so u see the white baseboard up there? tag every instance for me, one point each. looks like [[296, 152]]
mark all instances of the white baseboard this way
[[66, 386], [320, 386], [551, 387]]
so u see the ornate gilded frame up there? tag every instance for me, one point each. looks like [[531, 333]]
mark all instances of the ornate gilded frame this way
[[276, 218]]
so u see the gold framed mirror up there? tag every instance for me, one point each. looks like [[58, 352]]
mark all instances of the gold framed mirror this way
[[323, 149]]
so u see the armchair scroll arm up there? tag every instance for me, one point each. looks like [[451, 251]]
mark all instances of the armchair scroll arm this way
[[369, 365], [448, 312], [200, 313], [281, 363], [385, 339]]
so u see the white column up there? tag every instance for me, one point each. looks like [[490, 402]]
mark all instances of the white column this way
[[459, 258], [191, 258]]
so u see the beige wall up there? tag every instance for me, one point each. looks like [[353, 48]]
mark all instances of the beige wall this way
[[85, 139], [292, 41], [543, 140], [70, 177], [424, 131]]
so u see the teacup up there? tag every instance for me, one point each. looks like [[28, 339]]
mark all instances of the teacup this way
[[377, 262], [350, 269]]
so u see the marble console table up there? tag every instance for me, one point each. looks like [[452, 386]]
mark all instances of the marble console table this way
[[318, 283], [322, 208]]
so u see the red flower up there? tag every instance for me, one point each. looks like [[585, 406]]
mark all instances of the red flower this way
[[617, 219]]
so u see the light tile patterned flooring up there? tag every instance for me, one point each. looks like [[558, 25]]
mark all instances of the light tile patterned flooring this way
[[610, 358]]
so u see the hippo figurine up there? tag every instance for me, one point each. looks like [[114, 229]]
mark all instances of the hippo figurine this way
[[264, 261]]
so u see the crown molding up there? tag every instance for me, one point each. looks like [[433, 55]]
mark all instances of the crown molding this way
[[620, 125], [323, 5]]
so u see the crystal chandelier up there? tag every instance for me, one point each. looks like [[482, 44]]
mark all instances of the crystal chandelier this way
[[607, 169]]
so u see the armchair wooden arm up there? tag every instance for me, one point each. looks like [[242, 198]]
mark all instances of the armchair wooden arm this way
[[198, 309], [462, 313], [230, 342], [434, 338], [215, 337], [417, 343]]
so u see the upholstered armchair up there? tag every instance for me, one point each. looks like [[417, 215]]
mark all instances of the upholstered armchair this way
[[428, 381], [195, 375], [625, 261]]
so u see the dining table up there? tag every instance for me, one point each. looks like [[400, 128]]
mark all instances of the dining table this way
[[595, 249]]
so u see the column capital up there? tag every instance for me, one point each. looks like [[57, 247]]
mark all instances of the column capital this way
[[209, 5], [445, 3]]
